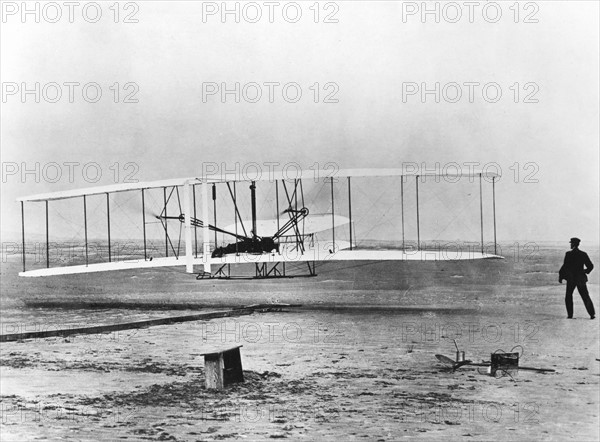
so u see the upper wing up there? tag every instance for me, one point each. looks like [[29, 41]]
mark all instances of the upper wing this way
[[315, 175]]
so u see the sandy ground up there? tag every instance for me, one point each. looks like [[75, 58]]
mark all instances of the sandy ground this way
[[356, 361]]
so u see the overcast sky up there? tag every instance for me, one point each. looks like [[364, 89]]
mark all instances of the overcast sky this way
[[367, 58]]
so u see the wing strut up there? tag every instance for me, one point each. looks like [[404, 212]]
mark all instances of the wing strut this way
[[402, 207], [418, 231], [481, 210], [237, 212], [206, 256], [108, 224], [350, 211], [144, 224], [165, 225], [277, 201], [332, 215], [23, 232], [47, 239], [235, 216], [253, 200], [494, 209], [195, 230], [85, 229], [214, 198], [189, 257]]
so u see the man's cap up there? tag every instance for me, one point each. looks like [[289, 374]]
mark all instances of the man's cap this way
[[575, 240]]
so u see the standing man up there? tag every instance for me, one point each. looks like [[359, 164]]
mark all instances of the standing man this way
[[575, 269]]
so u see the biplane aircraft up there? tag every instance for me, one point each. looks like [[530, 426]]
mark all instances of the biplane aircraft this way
[[280, 225]]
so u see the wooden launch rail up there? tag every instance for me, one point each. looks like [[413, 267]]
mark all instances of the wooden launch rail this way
[[138, 324]]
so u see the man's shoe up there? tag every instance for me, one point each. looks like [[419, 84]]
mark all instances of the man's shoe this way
[[569, 317], [593, 317]]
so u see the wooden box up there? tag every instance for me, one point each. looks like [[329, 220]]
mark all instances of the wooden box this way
[[223, 367]]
